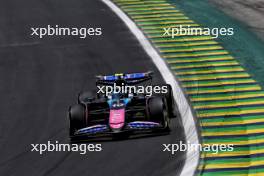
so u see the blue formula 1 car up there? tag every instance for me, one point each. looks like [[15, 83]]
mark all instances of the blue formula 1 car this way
[[100, 114]]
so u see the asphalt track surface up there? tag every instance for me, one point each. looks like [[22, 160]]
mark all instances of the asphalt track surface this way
[[40, 78]]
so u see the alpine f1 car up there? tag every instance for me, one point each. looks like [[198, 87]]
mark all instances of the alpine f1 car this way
[[121, 114]]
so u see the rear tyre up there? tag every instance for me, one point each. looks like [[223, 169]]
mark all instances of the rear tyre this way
[[77, 117]]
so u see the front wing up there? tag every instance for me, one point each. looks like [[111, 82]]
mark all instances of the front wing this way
[[136, 128]]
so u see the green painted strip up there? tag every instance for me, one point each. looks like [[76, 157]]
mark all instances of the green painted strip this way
[[164, 20], [196, 53], [233, 119], [135, 6], [149, 16], [182, 39], [190, 49], [159, 19], [152, 13], [229, 110], [236, 160], [227, 67], [195, 43], [231, 139], [215, 82], [229, 102], [216, 75], [229, 95], [147, 9], [241, 172], [237, 128]]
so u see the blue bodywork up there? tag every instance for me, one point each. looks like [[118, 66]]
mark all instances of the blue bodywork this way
[[125, 76], [125, 101]]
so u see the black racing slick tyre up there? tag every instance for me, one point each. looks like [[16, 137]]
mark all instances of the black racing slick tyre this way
[[77, 117], [168, 95], [157, 110], [170, 101]]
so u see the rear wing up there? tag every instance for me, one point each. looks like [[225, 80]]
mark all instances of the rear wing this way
[[127, 78]]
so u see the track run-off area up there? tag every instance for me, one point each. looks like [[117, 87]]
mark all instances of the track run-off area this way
[[228, 102]]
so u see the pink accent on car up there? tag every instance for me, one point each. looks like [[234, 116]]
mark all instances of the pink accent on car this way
[[117, 118]]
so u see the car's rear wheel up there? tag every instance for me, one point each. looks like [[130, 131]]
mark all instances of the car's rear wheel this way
[[77, 117], [157, 110]]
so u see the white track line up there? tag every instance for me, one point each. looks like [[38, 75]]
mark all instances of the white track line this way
[[192, 156]]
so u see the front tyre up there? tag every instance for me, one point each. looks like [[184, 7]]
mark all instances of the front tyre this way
[[77, 117], [167, 93], [172, 111], [158, 111]]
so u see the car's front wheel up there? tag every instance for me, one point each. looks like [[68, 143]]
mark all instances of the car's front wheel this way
[[77, 117], [158, 110]]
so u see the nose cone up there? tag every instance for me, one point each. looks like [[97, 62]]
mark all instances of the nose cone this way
[[117, 118]]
